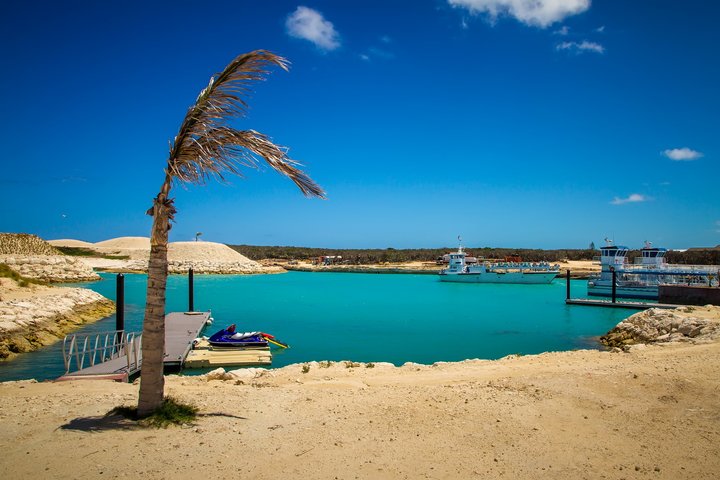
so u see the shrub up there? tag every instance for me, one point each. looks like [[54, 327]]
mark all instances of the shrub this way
[[171, 412]]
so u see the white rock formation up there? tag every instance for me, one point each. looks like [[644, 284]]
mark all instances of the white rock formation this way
[[50, 268]]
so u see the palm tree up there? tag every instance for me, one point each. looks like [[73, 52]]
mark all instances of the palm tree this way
[[205, 147]]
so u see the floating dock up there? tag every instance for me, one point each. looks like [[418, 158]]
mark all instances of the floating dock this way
[[101, 356], [610, 304], [203, 355]]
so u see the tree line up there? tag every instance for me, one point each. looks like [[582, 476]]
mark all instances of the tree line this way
[[392, 255]]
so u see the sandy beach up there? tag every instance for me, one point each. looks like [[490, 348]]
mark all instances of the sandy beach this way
[[650, 413]]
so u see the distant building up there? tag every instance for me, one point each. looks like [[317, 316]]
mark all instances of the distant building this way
[[329, 259]]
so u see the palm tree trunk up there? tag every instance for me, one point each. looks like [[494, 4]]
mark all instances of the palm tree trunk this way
[[152, 381]]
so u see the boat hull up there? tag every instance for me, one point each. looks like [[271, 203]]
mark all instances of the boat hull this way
[[533, 278]]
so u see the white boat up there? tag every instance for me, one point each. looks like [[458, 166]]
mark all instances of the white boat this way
[[643, 278], [459, 270]]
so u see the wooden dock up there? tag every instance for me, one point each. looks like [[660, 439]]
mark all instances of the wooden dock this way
[[205, 356], [181, 328], [624, 304]]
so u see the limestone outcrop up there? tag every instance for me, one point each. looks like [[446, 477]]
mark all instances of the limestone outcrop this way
[[50, 268], [656, 325], [27, 324], [206, 266], [33, 257]]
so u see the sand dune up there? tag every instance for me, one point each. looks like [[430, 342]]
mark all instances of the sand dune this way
[[204, 257], [204, 251], [126, 243]]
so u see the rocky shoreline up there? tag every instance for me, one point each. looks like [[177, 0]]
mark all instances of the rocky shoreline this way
[[27, 324], [181, 267], [655, 325]]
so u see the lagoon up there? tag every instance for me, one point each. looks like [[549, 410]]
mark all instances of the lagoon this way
[[393, 318]]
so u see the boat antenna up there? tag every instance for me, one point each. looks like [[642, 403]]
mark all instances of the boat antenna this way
[[460, 243]]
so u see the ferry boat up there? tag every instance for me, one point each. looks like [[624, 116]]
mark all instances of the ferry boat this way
[[459, 270], [643, 278]]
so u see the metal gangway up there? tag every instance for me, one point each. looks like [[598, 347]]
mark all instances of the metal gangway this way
[[114, 354]]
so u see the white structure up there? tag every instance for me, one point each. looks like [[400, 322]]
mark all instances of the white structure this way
[[641, 279], [502, 272]]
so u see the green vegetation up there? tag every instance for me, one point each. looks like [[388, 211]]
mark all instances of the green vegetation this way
[[305, 368], [170, 412], [391, 255], [88, 252], [351, 364], [694, 256], [7, 272], [370, 365]]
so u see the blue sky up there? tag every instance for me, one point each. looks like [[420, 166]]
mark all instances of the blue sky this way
[[545, 127]]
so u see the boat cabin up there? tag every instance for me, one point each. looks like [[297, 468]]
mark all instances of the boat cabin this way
[[652, 256], [613, 256], [456, 261]]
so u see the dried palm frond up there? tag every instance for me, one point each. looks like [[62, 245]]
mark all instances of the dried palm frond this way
[[206, 146]]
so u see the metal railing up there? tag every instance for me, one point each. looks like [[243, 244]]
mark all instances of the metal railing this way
[[83, 351]]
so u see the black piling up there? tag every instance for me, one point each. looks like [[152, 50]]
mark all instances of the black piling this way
[[191, 293], [614, 286], [120, 302], [567, 288], [119, 310]]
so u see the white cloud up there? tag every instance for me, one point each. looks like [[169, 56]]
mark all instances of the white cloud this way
[[600, 29], [365, 57], [309, 24], [562, 31], [538, 13], [580, 47], [633, 198], [682, 154]]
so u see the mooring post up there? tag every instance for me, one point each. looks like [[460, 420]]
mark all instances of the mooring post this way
[[614, 286], [191, 299], [120, 302], [567, 277], [119, 310]]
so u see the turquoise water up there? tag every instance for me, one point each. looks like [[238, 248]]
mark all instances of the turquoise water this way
[[364, 317]]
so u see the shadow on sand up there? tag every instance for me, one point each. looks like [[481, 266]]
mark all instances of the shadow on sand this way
[[100, 423], [103, 423]]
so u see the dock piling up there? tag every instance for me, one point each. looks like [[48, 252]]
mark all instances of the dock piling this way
[[191, 293], [614, 284], [567, 277], [120, 302], [119, 308]]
